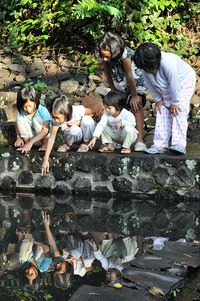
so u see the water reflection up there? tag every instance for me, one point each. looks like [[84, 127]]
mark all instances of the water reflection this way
[[51, 246]]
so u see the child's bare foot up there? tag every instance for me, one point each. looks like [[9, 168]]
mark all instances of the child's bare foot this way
[[125, 150], [83, 148], [63, 148], [106, 148]]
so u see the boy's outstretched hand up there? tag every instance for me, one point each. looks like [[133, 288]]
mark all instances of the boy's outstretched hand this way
[[45, 219]]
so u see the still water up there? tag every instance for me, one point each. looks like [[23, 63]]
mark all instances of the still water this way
[[116, 231]]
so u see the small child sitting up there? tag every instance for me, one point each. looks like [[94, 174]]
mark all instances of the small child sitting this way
[[33, 121], [116, 125], [75, 122]]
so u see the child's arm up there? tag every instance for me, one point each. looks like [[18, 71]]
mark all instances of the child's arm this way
[[98, 130], [108, 75], [50, 143], [45, 129], [135, 101], [50, 238], [19, 141]]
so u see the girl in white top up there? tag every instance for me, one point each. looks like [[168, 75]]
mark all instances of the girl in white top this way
[[171, 82], [76, 124], [116, 125]]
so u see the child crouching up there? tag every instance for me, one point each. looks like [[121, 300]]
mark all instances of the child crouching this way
[[75, 122], [116, 125]]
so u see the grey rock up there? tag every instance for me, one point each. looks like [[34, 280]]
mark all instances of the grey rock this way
[[8, 184], [84, 163], [117, 166], [25, 178], [16, 162], [122, 184], [101, 171], [146, 184], [44, 183], [63, 167], [150, 163], [161, 175], [183, 177], [16, 68], [82, 185], [69, 86], [4, 74], [102, 90], [35, 74], [161, 219], [63, 188], [64, 75]]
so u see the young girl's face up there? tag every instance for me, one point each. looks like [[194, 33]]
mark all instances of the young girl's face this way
[[106, 55], [112, 111], [29, 107], [60, 118]]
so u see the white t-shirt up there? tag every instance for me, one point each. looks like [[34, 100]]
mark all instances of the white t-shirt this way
[[172, 75], [126, 117]]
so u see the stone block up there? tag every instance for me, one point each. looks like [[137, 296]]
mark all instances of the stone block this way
[[161, 175], [25, 178], [16, 162], [149, 164], [183, 177], [118, 165], [25, 201], [2, 165], [122, 184], [83, 186], [101, 170], [8, 184], [63, 167], [84, 163], [161, 219], [102, 191], [62, 188], [146, 184], [44, 183], [146, 209]]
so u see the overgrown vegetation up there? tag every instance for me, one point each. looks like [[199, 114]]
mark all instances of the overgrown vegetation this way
[[28, 25]]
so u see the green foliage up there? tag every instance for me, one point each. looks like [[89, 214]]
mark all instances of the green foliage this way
[[38, 85], [27, 25]]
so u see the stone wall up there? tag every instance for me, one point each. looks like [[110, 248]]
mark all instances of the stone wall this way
[[94, 174]]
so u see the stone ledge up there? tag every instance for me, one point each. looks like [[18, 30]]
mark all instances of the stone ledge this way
[[141, 175]]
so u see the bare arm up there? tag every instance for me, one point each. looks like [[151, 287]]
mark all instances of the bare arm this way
[[19, 141], [45, 129], [50, 143], [50, 238], [108, 75], [135, 100]]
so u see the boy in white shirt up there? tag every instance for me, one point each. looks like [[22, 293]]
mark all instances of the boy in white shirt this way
[[116, 125]]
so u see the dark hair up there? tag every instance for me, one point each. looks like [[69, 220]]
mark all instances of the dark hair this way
[[63, 106], [28, 93], [113, 43], [116, 99], [147, 56], [36, 282], [62, 280]]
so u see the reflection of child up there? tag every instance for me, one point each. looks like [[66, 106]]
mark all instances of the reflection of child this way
[[172, 83], [123, 75], [62, 272], [34, 262], [78, 252], [75, 122], [33, 121], [116, 124], [114, 265]]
